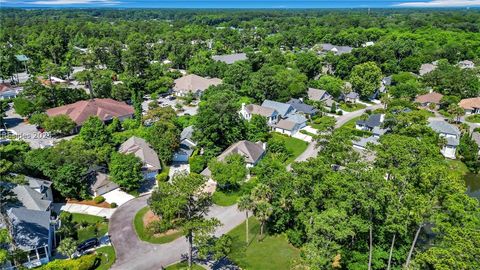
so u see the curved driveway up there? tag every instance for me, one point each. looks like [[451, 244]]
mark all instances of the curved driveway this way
[[133, 253]]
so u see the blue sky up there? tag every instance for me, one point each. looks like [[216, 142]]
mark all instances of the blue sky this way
[[239, 4]]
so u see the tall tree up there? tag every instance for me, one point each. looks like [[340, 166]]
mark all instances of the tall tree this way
[[365, 79], [184, 203]]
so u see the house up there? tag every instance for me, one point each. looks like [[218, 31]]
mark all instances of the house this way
[[452, 135], [351, 97], [230, 58], [141, 149], [337, 50], [321, 96], [466, 64], [291, 125], [7, 91], [252, 152], [187, 146], [104, 108], [301, 107], [247, 111], [32, 227], [386, 81], [470, 105], [33, 232], [362, 143], [430, 98], [373, 121], [283, 109], [427, 68], [102, 184], [193, 84]]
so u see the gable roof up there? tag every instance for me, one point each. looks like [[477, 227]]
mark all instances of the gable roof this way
[[260, 110], [432, 97], [230, 58], [30, 198], [105, 108], [441, 126], [300, 106], [286, 124], [30, 227], [470, 103], [193, 83], [336, 49], [317, 94], [282, 108], [141, 149], [187, 134], [250, 150], [374, 120], [102, 180]]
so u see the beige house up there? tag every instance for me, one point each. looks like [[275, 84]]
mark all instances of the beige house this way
[[193, 84], [430, 98]]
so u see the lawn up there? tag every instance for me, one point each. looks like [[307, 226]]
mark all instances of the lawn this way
[[352, 107], [458, 166], [352, 122], [89, 226], [293, 145], [272, 252], [145, 235], [108, 257], [183, 265], [226, 198], [473, 118]]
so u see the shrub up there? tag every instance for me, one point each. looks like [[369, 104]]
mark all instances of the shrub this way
[[113, 205], [85, 262], [197, 163], [340, 113], [99, 199], [162, 177], [158, 226]]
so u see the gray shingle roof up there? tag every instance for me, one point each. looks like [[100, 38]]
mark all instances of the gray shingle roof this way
[[296, 118], [187, 133], [300, 106], [362, 142], [374, 120], [336, 49], [286, 124], [31, 199], [30, 227], [282, 108], [141, 149], [230, 58], [250, 150], [318, 94], [441, 126]]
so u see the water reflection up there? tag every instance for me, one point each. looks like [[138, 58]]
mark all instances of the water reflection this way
[[473, 185]]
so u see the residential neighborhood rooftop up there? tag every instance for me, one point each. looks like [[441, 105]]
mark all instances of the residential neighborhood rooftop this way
[[105, 108], [432, 97], [192, 83], [470, 103], [141, 149], [230, 58], [282, 108], [30, 227], [250, 150]]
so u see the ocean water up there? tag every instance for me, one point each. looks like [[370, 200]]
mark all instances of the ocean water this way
[[250, 4]]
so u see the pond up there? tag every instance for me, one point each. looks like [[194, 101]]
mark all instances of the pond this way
[[473, 185]]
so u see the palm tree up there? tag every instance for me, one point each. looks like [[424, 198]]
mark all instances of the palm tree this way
[[68, 246], [263, 211], [245, 204]]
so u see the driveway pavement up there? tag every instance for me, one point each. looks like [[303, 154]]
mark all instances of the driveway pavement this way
[[342, 120], [117, 196], [132, 253], [83, 209]]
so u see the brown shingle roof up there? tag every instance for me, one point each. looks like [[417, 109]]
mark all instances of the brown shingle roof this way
[[141, 149], [104, 108], [256, 109], [470, 103], [285, 124], [192, 83], [432, 97]]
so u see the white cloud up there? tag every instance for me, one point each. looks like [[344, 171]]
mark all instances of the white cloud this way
[[441, 3], [74, 2]]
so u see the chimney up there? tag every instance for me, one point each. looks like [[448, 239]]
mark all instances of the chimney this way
[[264, 146]]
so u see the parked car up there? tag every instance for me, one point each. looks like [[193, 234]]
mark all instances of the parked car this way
[[87, 244], [171, 98]]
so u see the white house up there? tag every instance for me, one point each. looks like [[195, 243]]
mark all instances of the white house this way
[[452, 135]]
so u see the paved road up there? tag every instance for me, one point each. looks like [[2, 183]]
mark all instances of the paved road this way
[[132, 253], [312, 150], [342, 120]]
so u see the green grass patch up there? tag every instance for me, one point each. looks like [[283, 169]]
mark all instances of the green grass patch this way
[[107, 255], [351, 107], [293, 145], [473, 118], [145, 235], [458, 167], [95, 226], [226, 198], [271, 252], [184, 265]]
